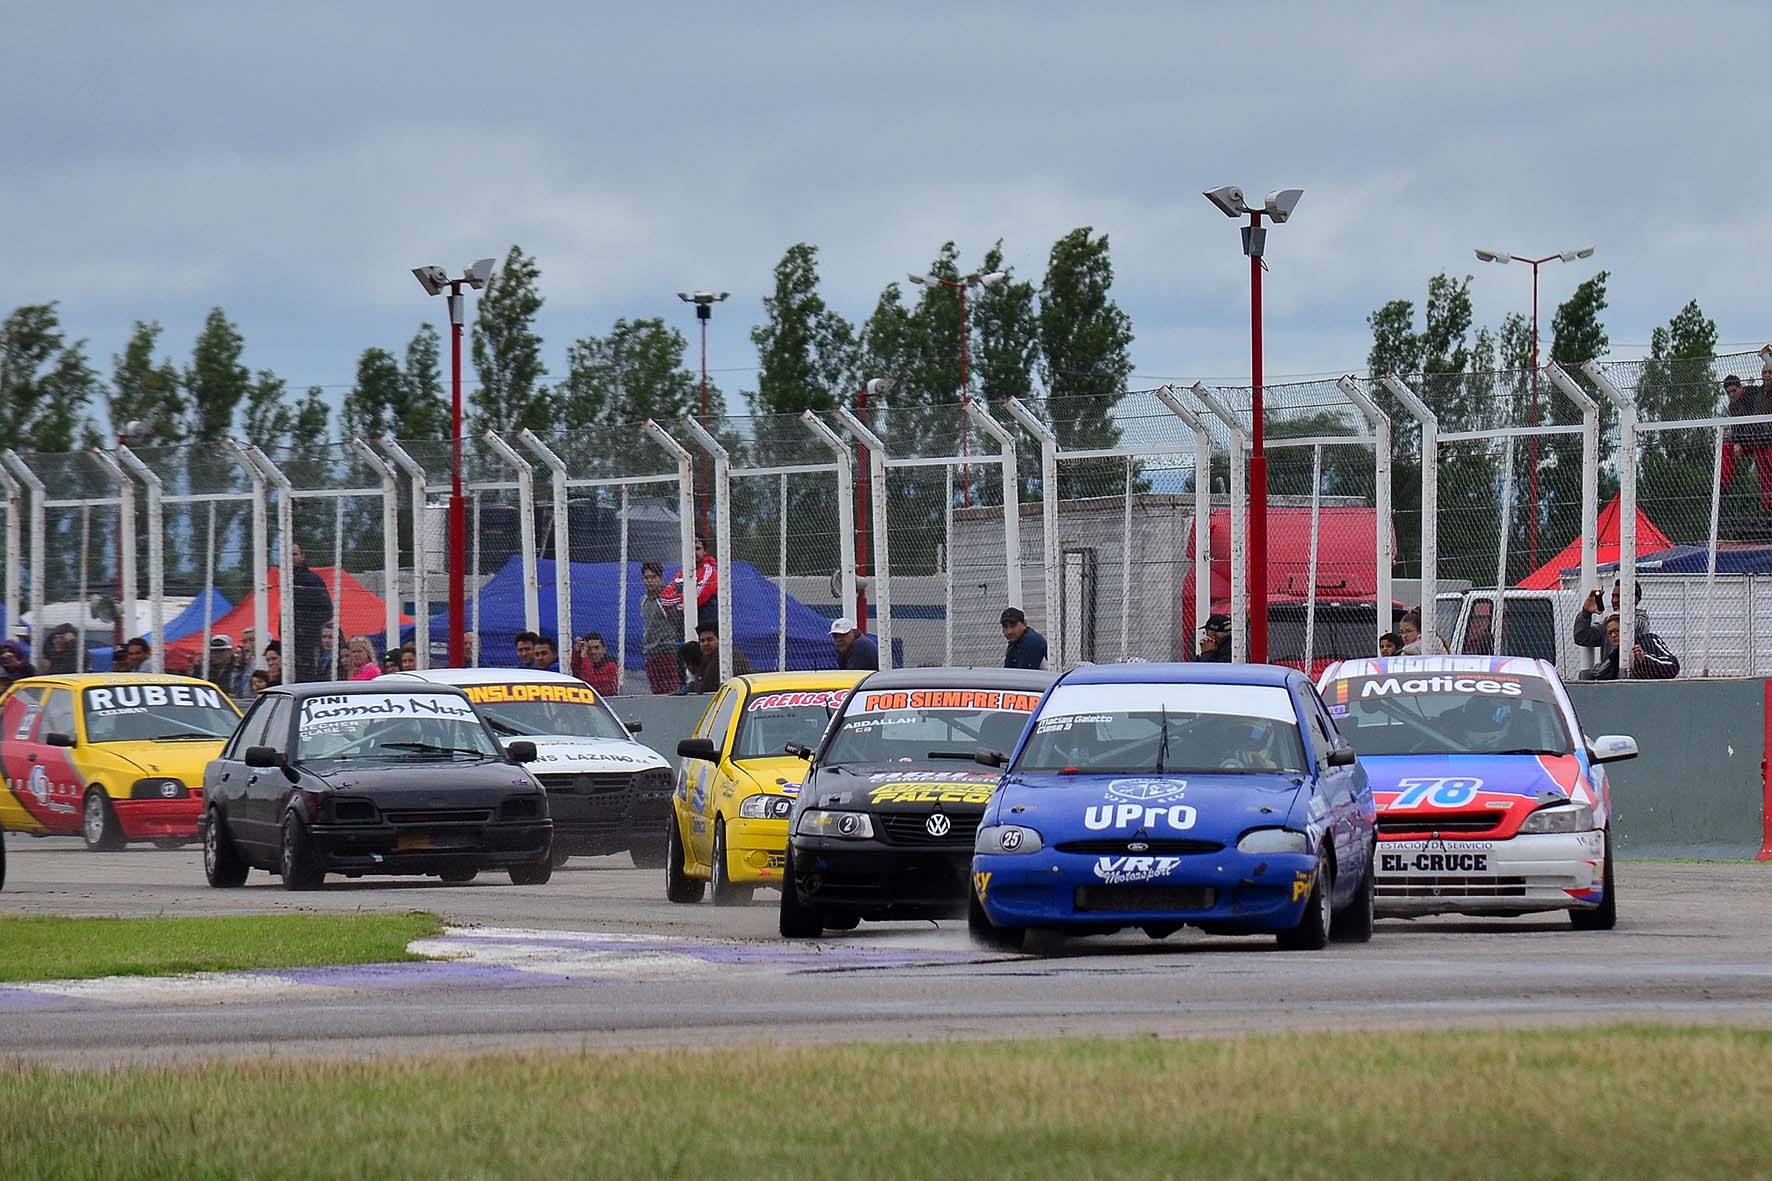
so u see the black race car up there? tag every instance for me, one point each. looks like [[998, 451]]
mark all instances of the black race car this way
[[371, 777], [883, 826]]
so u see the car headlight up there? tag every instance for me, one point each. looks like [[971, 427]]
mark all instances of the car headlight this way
[[1006, 838], [159, 788], [851, 826], [1560, 818], [765, 807], [1273, 840]]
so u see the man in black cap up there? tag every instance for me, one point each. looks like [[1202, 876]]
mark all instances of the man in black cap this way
[[1027, 647], [1215, 639]]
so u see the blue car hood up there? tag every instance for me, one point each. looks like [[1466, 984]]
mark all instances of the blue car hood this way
[[1080, 807]]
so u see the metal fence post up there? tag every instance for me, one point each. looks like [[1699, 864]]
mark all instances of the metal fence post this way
[[526, 538], [563, 538], [1627, 507], [421, 606], [290, 653], [1239, 564], [1590, 481], [1011, 496], [685, 520], [1499, 616], [156, 554], [859, 431], [9, 489], [390, 538], [722, 537], [126, 542], [1202, 502], [845, 508], [1380, 422], [1049, 504], [38, 575], [261, 577], [1430, 501]]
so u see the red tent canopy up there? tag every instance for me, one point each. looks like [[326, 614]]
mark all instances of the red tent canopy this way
[[1649, 539], [361, 613]]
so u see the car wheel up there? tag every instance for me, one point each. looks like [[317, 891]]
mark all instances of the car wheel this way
[[456, 877], [679, 886], [651, 854], [841, 922], [558, 856], [726, 893], [170, 843], [536, 873], [221, 861], [1604, 916], [298, 865], [798, 921], [98, 822], [1312, 932], [984, 933], [1353, 922]]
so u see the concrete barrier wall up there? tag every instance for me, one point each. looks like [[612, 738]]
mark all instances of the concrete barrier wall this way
[[1697, 790]]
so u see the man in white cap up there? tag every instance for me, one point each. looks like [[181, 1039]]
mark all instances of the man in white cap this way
[[855, 650]]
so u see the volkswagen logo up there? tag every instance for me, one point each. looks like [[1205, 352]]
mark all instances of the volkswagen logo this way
[[938, 825]]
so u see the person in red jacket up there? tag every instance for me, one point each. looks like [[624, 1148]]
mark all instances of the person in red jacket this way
[[707, 588], [592, 664]]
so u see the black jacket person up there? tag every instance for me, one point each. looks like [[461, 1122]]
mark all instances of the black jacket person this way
[[313, 608]]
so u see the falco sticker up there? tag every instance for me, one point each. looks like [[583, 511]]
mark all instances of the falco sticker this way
[[932, 793]]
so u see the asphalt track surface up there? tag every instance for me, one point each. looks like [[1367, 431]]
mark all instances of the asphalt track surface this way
[[598, 958]]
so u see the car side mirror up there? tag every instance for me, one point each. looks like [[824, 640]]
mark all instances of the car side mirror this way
[[698, 748], [798, 750], [522, 751], [990, 758], [1611, 748], [1341, 755], [633, 725], [57, 738], [263, 756]]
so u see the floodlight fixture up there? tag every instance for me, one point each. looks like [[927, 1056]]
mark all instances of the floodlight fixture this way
[[1583, 252], [702, 297], [477, 273], [1229, 199], [1280, 204], [433, 279], [994, 280], [1500, 256], [878, 387], [921, 280]]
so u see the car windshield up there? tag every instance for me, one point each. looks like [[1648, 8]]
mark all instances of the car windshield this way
[[1162, 728], [401, 726], [927, 725], [770, 721], [163, 713], [1448, 713], [544, 707]]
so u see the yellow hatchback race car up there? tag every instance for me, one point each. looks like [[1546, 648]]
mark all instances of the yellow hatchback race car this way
[[113, 757], [736, 787]]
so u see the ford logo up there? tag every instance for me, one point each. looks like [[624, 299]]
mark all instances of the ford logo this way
[[1137, 847]]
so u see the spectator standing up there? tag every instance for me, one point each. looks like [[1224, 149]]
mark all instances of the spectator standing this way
[[592, 664], [1215, 640], [313, 610], [274, 661], [14, 664], [408, 658], [1414, 643], [707, 588], [1650, 659], [221, 662], [547, 654], [526, 641], [360, 660], [1390, 644], [1027, 647], [659, 632], [689, 660], [855, 648], [1591, 635], [257, 683], [61, 649], [1752, 442], [707, 676], [135, 655], [331, 660]]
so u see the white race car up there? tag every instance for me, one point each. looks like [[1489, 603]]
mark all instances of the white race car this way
[[606, 792]]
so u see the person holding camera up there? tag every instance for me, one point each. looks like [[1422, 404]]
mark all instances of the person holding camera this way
[[1650, 658], [592, 664], [1591, 635]]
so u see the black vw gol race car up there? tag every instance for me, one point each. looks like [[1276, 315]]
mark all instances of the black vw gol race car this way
[[884, 823], [371, 777]]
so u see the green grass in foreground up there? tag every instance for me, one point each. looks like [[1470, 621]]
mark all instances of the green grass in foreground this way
[[1620, 1102], [38, 947]]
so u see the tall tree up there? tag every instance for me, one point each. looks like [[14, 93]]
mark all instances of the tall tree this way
[[45, 383], [507, 350], [422, 412], [269, 419], [634, 373], [1006, 333], [1084, 356], [805, 351], [1680, 380], [145, 390], [215, 381], [1396, 346], [1576, 330], [369, 408]]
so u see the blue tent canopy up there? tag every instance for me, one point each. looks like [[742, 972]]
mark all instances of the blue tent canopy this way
[[756, 615], [188, 622], [1695, 559]]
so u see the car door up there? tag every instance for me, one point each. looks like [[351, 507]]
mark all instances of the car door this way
[[1339, 787], [27, 804], [267, 788], [706, 778], [225, 781], [53, 768]]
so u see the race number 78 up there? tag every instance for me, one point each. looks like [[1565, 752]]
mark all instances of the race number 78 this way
[[1435, 793]]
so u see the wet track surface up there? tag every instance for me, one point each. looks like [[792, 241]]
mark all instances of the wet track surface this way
[[598, 957]]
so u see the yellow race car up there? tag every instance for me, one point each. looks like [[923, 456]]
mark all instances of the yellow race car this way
[[729, 812], [114, 757]]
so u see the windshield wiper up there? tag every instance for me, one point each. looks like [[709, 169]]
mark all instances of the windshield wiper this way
[[432, 748], [505, 727], [1163, 739], [950, 754], [186, 736], [1524, 750]]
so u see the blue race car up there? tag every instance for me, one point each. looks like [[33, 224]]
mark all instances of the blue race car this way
[[1160, 796]]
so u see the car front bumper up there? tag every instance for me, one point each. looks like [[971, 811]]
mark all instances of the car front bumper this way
[[385, 848], [1226, 892], [877, 880], [604, 817], [150, 819], [756, 850], [1532, 872]]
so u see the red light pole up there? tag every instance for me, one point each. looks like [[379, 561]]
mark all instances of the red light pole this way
[[435, 280], [1278, 207], [704, 302], [975, 279], [1503, 257]]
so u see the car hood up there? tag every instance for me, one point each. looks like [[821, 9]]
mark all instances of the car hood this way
[[432, 784], [1206, 806], [183, 761], [777, 774], [953, 788], [1453, 793], [566, 753]]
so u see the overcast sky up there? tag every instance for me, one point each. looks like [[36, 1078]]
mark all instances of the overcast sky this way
[[291, 163]]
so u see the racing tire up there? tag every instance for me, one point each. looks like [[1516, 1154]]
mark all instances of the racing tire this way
[[841, 922], [1604, 916], [798, 921], [296, 862], [536, 873], [98, 823], [1353, 922], [725, 891], [558, 856], [222, 863], [170, 843], [986, 934], [650, 855], [1312, 931], [458, 877], [679, 886]]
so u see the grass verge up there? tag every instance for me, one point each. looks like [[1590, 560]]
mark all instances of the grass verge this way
[[38, 947], [1626, 1101]]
